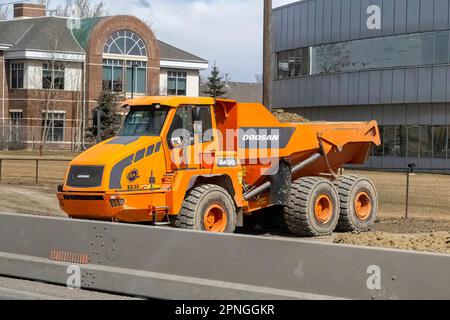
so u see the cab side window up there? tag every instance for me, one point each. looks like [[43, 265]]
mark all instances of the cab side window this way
[[182, 129], [203, 123], [188, 122]]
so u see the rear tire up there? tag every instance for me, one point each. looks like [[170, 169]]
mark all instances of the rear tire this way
[[313, 208], [359, 204], [208, 208]]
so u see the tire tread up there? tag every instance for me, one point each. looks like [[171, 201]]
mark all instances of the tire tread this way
[[296, 212]]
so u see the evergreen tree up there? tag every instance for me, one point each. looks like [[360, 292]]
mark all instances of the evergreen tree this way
[[215, 84], [109, 122]]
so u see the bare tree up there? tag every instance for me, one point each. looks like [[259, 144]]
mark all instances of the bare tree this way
[[150, 24], [49, 85], [81, 9]]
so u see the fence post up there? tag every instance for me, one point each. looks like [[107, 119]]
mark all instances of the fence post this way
[[410, 170], [37, 171], [1, 162]]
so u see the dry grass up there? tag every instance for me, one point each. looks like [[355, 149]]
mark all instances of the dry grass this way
[[24, 171], [428, 196], [35, 154]]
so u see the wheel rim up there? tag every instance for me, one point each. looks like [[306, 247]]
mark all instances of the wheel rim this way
[[363, 206], [323, 209], [215, 218]]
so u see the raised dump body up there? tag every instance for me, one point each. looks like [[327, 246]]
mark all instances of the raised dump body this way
[[206, 164], [262, 136]]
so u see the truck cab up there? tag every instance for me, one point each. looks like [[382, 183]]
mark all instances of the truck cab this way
[[165, 146]]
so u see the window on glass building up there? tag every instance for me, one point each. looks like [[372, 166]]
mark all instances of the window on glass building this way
[[417, 49]]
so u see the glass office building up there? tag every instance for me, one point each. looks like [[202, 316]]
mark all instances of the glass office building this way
[[330, 64]]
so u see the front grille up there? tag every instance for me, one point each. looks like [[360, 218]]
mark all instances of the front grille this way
[[85, 176], [83, 198]]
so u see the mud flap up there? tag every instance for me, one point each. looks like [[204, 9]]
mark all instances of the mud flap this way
[[281, 185], [239, 218]]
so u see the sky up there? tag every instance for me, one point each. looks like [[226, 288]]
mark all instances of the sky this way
[[228, 32]]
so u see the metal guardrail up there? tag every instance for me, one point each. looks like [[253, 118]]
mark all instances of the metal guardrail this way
[[175, 264]]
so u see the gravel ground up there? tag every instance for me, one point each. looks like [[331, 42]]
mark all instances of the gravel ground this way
[[428, 242], [418, 235], [39, 200]]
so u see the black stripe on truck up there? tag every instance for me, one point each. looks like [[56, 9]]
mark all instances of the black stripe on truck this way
[[139, 155], [116, 173], [150, 150], [123, 140]]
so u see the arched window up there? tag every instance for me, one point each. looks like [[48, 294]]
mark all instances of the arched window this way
[[125, 63], [125, 43]]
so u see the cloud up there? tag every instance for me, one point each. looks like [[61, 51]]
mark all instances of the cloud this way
[[143, 3], [226, 31]]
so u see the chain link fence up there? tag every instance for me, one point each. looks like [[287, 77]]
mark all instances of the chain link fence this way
[[402, 194], [411, 193], [57, 136], [31, 171]]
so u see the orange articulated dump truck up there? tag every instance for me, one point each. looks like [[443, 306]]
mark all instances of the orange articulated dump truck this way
[[205, 164]]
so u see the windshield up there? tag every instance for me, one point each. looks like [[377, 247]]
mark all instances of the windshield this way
[[144, 121]]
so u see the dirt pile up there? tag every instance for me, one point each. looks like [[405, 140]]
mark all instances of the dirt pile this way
[[427, 242], [288, 117]]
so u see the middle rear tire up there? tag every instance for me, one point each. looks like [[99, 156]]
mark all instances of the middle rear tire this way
[[313, 208]]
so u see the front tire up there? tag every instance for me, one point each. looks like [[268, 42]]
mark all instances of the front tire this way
[[313, 208], [208, 208]]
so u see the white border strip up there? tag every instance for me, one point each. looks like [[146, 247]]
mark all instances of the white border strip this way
[[40, 55], [183, 65]]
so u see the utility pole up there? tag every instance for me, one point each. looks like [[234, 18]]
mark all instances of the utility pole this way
[[267, 44]]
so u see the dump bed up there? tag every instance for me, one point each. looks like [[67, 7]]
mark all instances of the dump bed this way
[[261, 136]]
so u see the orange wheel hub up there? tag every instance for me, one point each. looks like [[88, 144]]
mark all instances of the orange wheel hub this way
[[323, 209], [215, 218], [363, 205]]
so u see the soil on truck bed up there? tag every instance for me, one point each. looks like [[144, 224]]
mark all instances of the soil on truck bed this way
[[288, 117]]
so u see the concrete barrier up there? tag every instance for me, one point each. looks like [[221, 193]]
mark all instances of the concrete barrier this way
[[176, 264]]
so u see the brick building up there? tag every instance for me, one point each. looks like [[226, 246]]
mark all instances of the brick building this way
[[52, 70]]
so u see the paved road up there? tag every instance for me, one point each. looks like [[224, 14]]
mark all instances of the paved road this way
[[15, 289]]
